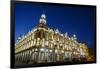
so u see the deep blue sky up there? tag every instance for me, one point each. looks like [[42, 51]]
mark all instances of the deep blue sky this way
[[73, 20]]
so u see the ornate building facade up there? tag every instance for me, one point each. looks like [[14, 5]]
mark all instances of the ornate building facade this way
[[44, 45]]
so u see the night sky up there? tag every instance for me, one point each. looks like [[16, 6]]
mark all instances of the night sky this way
[[73, 20]]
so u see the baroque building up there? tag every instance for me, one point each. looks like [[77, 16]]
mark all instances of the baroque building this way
[[43, 45]]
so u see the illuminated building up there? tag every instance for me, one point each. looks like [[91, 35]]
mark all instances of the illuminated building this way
[[44, 45]]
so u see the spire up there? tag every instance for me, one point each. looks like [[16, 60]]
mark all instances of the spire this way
[[66, 34], [56, 31]]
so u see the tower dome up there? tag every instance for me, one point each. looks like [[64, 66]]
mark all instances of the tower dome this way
[[43, 16], [74, 36], [43, 19]]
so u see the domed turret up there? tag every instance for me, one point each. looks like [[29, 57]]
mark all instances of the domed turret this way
[[43, 16], [74, 36], [43, 19]]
